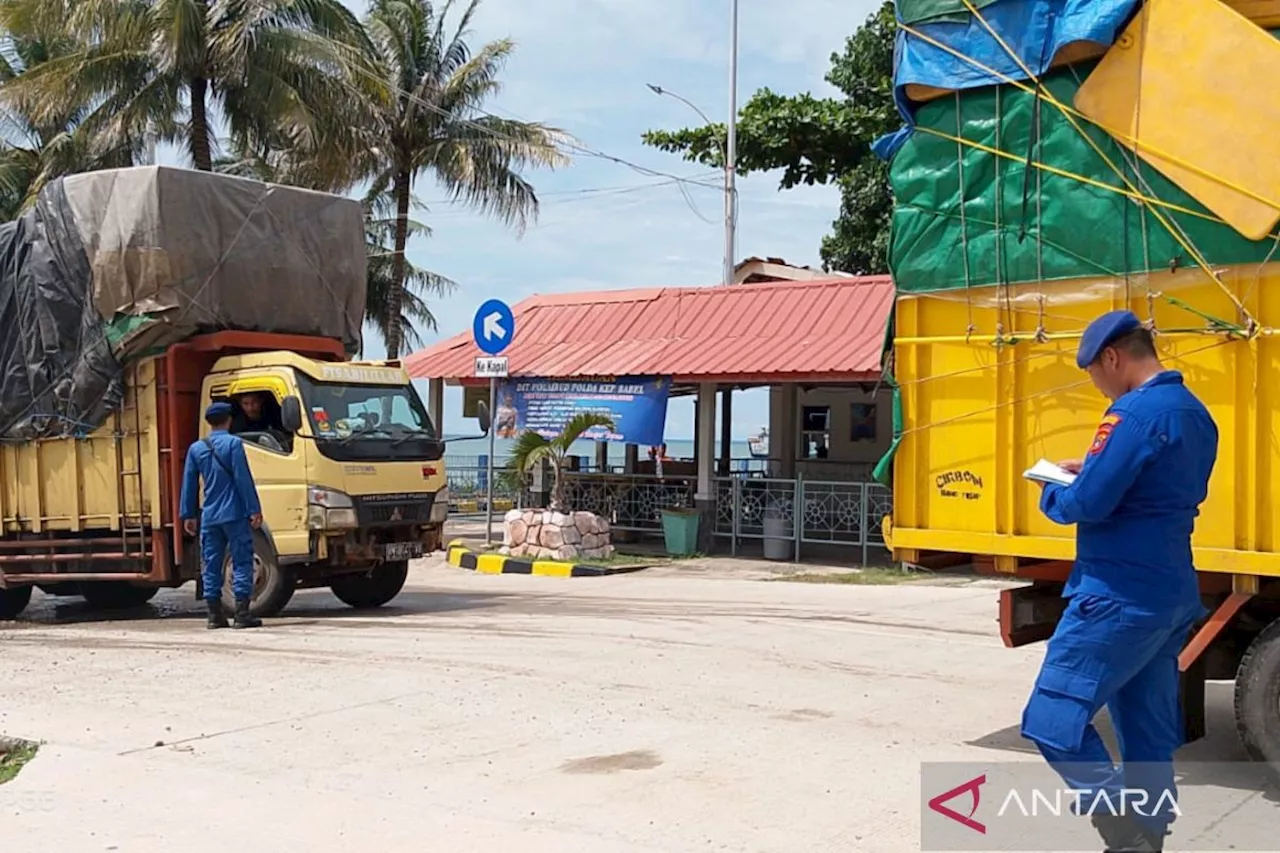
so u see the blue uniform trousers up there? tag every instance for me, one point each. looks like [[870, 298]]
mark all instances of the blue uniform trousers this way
[[215, 539], [1105, 652]]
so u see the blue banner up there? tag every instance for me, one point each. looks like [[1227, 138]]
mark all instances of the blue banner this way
[[636, 404]]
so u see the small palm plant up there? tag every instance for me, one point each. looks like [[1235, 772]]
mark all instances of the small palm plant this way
[[532, 449]]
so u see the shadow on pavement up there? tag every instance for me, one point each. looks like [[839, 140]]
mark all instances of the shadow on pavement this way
[[1218, 759], [312, 606]]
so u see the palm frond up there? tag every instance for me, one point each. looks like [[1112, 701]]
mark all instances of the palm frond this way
[[529, 450], [577, 426]]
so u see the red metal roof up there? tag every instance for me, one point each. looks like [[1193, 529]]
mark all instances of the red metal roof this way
[[773, 332]]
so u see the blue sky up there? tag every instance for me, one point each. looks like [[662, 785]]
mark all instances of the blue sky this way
[[582, 65]]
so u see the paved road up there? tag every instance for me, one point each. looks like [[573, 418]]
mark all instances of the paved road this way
[[652, 712]]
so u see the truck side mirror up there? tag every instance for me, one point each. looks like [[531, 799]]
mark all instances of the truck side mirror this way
[[483, 417], [291, 414]]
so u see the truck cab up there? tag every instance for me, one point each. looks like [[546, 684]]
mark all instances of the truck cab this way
[[349, 469]]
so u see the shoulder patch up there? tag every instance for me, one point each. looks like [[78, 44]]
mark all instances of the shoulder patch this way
[[1100, 438]]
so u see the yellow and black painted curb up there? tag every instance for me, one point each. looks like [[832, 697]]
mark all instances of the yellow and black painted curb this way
[[499, 564]]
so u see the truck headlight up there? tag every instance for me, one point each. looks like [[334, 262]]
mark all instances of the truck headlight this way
[[329, 510], [440, 507]]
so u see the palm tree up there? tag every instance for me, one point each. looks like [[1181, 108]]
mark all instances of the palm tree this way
[[404, 320], [272, 69], [532, 449], [35, 152], [429, 119]]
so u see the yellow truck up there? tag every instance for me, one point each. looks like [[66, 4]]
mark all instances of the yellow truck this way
[[130, 300], [1026, 208], [352, 485]]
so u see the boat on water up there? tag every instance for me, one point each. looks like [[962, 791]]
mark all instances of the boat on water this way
[[758, 445]]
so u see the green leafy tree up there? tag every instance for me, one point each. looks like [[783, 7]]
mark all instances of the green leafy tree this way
[[270, 69], [822, 141], [429, 119], [531, 450]]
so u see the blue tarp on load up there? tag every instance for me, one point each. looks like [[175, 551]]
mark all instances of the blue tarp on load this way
[[1034, 29]]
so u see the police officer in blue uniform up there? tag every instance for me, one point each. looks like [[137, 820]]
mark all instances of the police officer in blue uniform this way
[[1132, 595], [231, 513]]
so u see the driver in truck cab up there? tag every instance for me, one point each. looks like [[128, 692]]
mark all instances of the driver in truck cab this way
[[231, 513], [1132, 595], [252, 415]]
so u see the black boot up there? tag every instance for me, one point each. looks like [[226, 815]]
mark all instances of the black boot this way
[[244, 619], [1123, 834], [217, 619]]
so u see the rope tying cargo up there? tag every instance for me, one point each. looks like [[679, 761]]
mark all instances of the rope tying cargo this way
[[1039, 92], [1045, 393], [964, 228]]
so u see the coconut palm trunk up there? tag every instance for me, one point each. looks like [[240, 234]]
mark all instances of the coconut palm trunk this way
[[201, 150], [395, 297]]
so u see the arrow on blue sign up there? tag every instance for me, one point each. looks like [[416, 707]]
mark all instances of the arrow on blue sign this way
[[493, 327]]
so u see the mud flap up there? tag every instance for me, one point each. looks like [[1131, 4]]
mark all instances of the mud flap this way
[[1029, 614], [1191, 698]]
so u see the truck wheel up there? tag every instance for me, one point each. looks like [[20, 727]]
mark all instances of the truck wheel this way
[[13, 601], [116, 595], [1258, 696], [273, 584], [372, 589]]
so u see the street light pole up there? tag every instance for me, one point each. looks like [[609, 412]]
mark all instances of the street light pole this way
[[730, 144], [731, 149]]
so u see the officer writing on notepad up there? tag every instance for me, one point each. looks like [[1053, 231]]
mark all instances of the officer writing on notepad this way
[[1132, 596]]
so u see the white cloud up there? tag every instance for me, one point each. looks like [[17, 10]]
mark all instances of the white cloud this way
[[582, 65]]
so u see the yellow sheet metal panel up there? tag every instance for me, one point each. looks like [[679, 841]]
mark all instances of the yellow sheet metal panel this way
[[958, 484], [76, 484], [1183, 82]]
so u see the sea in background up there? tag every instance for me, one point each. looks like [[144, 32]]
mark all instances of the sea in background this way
[[467, 452]]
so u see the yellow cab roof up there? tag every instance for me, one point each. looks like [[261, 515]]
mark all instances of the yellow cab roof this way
[[356, 372]]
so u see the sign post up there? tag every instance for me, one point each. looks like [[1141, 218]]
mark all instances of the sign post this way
[[492, 328]]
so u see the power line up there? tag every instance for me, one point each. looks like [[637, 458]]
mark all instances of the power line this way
[[565, 143]]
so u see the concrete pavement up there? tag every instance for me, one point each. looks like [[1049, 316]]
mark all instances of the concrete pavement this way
[[662, 711]]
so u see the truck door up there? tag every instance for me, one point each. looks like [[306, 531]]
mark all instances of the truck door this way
[[276, 458]]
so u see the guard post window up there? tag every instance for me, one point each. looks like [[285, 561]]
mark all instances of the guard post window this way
[[815, 432]]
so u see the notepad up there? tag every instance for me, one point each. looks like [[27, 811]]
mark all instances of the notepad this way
[[1045, 471]]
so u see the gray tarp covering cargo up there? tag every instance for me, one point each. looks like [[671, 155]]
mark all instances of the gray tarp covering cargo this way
[[111, 265]]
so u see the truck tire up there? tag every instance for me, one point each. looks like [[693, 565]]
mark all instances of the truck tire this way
[[273, 584], [13, 601], [116, 595], [1257, 697], [372, 589]]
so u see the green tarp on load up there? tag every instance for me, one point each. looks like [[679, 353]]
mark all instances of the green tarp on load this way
[[1023, 224], [935, 11]]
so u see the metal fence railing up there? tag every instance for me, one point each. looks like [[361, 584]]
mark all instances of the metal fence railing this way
[[468, 489], [802, 512], [629, 501], [748, 507]]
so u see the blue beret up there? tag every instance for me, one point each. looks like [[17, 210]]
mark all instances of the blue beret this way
[[218, 410], [1102, 332]]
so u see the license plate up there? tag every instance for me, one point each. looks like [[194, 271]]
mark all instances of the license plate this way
[[402, 551]]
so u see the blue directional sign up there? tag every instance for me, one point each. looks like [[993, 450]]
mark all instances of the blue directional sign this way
[[493, 327]]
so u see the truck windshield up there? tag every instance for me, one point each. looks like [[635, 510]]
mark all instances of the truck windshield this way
[[370, 422]]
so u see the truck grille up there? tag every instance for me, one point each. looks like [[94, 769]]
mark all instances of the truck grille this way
[[389, 510]]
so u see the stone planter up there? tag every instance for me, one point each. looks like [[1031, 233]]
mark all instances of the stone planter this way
[[542, 534]]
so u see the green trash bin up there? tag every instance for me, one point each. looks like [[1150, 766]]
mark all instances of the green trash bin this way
[[680, 530]]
